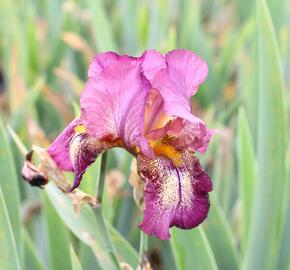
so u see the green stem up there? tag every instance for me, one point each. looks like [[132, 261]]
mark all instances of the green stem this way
[[99, 212], [101, 182], [143, 245]]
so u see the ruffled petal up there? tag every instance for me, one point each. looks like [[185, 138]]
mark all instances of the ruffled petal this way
[[182, 134], [59, 149], [175, 195], [103, 60], [113, 104]]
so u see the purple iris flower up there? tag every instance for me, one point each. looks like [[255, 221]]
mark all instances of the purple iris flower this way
[[143, 105]]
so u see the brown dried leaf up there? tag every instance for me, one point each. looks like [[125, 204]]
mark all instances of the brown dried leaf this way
[[47, 169]]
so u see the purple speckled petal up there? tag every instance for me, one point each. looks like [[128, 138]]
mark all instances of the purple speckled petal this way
[[74, 151], [113, 104], [59, 149], [174, 195], [84, 150]]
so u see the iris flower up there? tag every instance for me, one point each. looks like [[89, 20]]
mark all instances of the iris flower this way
[[143, 104]]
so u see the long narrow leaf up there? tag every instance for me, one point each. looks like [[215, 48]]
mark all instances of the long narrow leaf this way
[[192, 250], [265, 232], [8, 253], [247, 172]]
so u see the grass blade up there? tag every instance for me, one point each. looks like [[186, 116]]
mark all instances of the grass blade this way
[[75, 260], [58, 238], [265, 232], [9, 256], [32, 261], [247, 172], [191, 249], [220, 237], [9, 185]]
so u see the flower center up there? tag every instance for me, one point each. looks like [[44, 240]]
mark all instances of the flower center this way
[[79, 129], [168, 151]]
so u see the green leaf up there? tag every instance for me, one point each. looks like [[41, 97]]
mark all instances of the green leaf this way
[[58, 238], [220, 237], [8, 254], [126, 253], [265, 231], [75, 260], [247, 172], [88, 227], [103, 31], [9, 185], [32, 261], [192, 250], [85, 226]]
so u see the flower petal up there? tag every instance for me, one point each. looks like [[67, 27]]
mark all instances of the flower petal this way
[[175, 195], [113, 104], [182, 134], [177, 77], [84, 150], [59, 149], [103, 60]]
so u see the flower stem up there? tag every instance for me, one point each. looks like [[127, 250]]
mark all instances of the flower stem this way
[[99, 212], [143, 248], [101, 182]]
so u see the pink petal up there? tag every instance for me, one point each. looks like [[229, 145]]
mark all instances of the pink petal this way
[[182, 134], [186, 70], [103, 60], [59, 149], [174, 195], [113, 104], [176, 76], [84, 150]]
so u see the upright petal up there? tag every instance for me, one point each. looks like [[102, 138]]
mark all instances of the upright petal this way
[[186, 70], [113, 104], [103, 60], [175, 194]]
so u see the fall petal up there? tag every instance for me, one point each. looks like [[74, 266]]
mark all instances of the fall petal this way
[[84, 150], [175, 195], [59, 149]]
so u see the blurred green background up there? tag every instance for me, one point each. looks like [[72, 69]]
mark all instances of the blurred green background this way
[[46, 47]]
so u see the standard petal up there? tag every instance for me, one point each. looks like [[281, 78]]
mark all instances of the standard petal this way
[[187, 70], [59, 149], [177, 77], [103, 60], [113, 104], [175, 195]]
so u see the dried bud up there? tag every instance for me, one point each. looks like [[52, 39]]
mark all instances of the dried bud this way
[[32, 174], [47, 169]]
